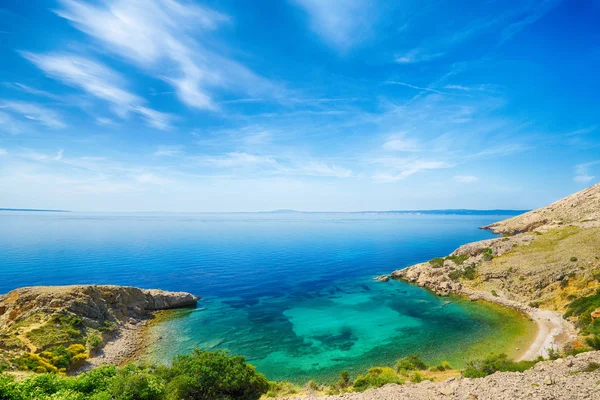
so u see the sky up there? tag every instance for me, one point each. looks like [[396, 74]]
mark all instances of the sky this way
[[315, 105]]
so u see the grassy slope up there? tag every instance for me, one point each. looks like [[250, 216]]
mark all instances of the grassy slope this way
[[558, 265]]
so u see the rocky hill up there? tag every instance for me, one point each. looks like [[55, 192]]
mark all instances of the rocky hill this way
[[581, 208], [38, 320]]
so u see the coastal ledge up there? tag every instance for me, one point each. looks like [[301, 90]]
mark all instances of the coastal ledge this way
[[108, 319]]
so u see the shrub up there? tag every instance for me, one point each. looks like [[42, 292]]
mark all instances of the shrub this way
[[534, 304], [494, 293], [444, 366], [376, 377], [493, 363], [591, 367], [417, 377], [593, 342], [436, 262], [410, 363], [344, 380], [458, 260], [582, 308], [93, 342], [281, 389], [216, 375], [488, 254], [573, 259]]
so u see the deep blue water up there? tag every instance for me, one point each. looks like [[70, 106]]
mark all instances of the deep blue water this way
[[291, 292], [248, 255]]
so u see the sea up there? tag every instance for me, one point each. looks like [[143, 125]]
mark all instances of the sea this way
[[291, 292]]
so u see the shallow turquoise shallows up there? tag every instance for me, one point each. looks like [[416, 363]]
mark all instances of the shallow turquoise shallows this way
[[293, 293]]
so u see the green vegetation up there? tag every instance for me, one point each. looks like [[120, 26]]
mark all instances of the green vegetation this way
[[376, 377], [57, 359], [436, 262], [573, 259], [582, 309], [199, 375], [439, 262], [458, 260], [61, 329], [410, 363], [488, 254], [493, 363], [469, 272]]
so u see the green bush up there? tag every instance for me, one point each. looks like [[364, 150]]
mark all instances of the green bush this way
[[376, 377], [488, 254], [93, 342], [200, 375], [436, 262], [216, 375], [444, 366], [410, 363], [582, 308], [573, 259], [593, 342], [344, 380], [458, 260], [493, 363]]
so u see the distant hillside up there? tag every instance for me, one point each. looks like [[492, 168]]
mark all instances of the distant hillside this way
[[581, 208]]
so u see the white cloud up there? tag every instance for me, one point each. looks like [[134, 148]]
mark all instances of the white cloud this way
[[416, 56], [426, 89], [168, 151], [582, 174], [9, 124], [3, 152], [401, 144], [34, 112], [59, 155], [341, 23], [151, 179], [99, 81], [322, 169], [403, 168], [465, 178], [160, 36]]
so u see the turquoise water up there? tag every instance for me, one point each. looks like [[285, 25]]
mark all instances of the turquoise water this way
[[291, 292]]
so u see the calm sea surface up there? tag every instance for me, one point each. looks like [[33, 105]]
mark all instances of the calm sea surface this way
[[291, 292]]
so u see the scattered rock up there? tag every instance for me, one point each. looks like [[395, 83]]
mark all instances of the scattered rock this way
[[382, 278]]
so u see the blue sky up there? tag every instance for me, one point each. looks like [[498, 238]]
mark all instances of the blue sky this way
[[164, 105]]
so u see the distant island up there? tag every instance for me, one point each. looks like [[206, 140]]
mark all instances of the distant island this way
[[33, 210]]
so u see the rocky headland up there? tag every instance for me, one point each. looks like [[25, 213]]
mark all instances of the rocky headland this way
[[107, 320]]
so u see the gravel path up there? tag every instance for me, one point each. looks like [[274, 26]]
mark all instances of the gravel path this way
[[548, 380]]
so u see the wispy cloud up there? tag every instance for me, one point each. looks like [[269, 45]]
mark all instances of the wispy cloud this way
[[160, 37], [582, 172], [3, 152], [530, 15], [399, 168], [34, 112], [99, 81], [340, 23], [416, 56], [465, 178], [401, 143], [408, 85]]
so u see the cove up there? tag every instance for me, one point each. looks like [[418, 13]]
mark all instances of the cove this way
[[353, 325]]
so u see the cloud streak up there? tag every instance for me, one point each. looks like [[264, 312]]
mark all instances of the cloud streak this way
[[99, 81]]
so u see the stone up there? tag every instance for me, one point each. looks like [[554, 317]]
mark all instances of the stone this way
[[382, 278], [548, 380]]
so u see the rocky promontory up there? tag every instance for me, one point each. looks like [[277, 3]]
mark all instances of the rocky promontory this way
[[106, 319]]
